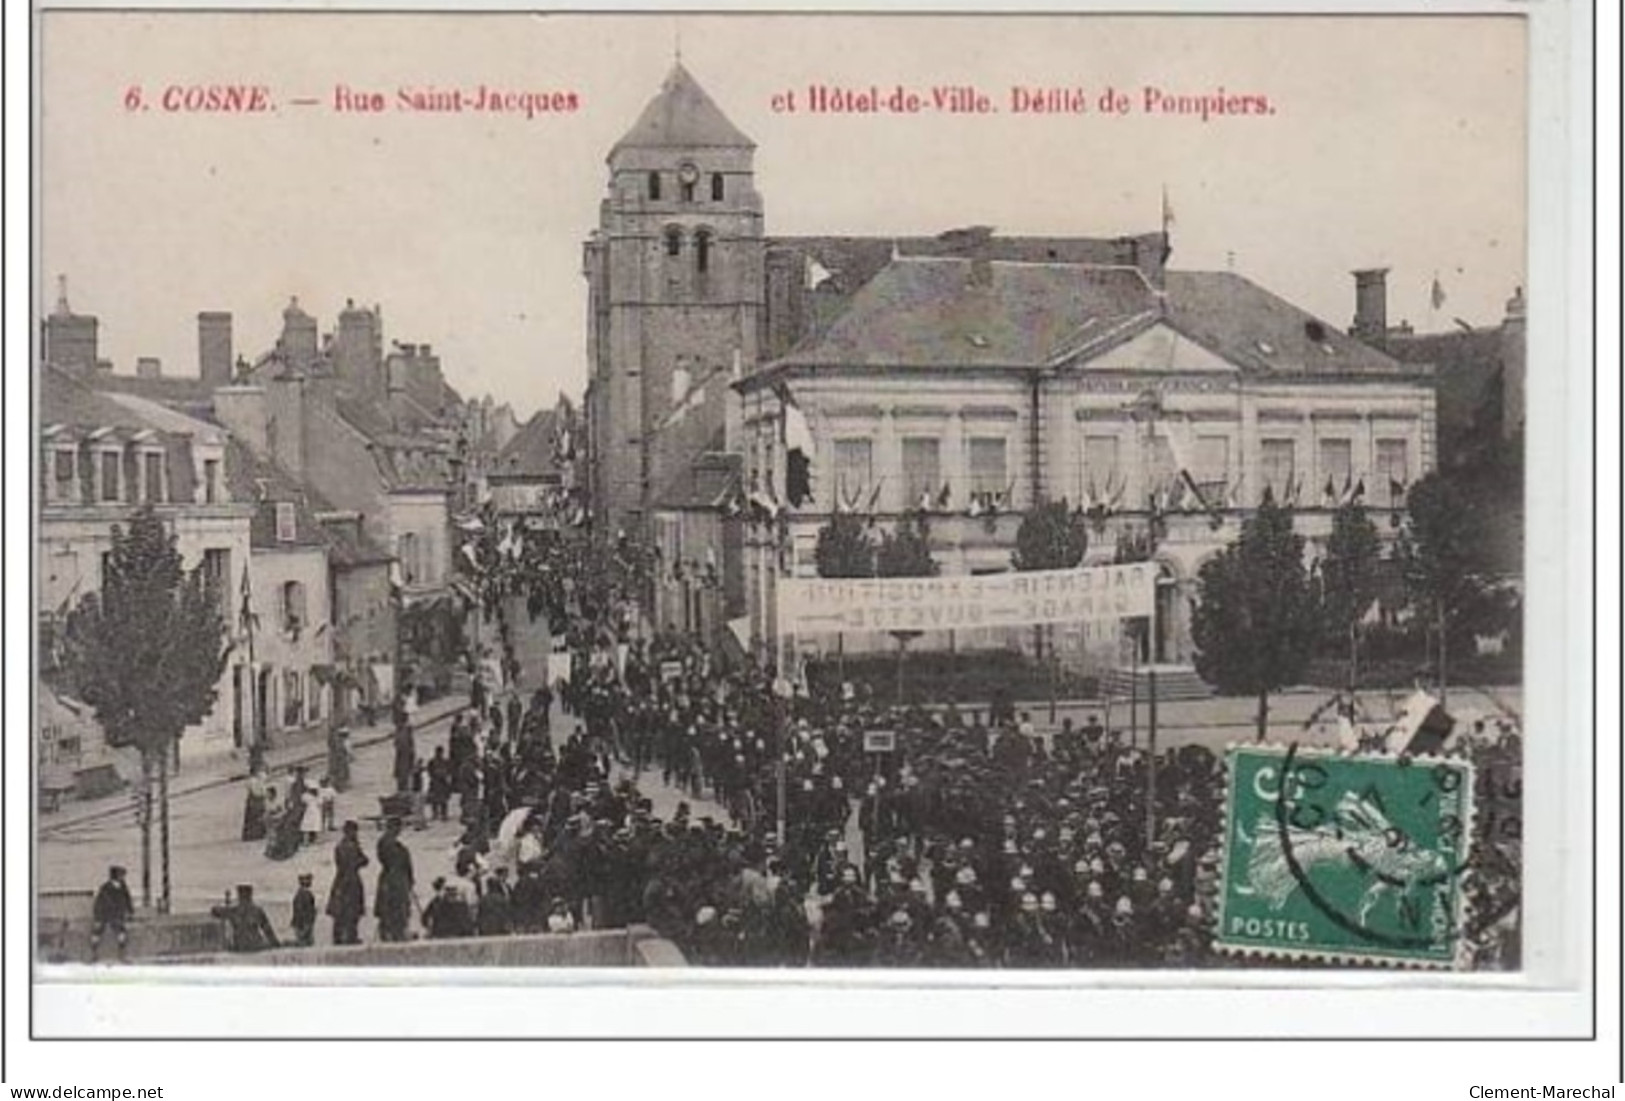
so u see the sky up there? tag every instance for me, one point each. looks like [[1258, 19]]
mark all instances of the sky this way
[[1394, 141]]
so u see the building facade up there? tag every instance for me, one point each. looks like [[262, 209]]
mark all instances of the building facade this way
[[966, 390], [103, 456]]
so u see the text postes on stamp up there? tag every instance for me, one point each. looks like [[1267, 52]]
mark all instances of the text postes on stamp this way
[[1350, 858]]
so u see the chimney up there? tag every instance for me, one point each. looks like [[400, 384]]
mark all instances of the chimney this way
[[241, 409], [214, 357], [70, 338], [149, 367], [1370, 304], [297, 344], [285, 424], [356, 358], [1513, 392]]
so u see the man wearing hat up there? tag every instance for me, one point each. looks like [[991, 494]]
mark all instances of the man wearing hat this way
[[111, 911], [304, 913], [346, 898], [250, 929], [392, 902]]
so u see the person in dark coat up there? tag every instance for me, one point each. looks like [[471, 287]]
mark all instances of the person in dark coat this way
[[346, 900], [495, 916], [406, 755], [516, 716], [304, 913], [339, 758], [448, 914], [111, 912], [392, 901], [250, 929], [440, 783]]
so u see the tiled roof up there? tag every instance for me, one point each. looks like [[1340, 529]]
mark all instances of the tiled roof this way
[[841, 266], [65, 400], [349, 547], [264, 484], [932, 312], [1467, 365], [1264, 334], [706, 483], [169, 419], [682, 115], [531, 451]]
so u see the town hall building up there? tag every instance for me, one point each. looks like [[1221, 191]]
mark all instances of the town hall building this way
[[962, 378]]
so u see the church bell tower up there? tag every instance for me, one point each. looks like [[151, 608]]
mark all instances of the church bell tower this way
[[675, 278]]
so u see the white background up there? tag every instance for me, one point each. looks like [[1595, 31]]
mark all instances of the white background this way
[[1562, 465]]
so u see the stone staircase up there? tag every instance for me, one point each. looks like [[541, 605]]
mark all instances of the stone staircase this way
[[1174, 682]]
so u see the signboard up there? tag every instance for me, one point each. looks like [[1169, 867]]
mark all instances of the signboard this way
[[880, 741], [671, 670], [809, 606]]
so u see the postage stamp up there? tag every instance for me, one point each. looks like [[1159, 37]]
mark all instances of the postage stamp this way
[[1355, 859]]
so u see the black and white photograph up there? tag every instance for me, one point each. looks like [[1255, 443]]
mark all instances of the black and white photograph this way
[[972, 497]]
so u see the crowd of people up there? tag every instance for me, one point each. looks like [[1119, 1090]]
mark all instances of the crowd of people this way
[[956, 838]]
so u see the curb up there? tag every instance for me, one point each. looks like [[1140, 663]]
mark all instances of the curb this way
[[236, 777]]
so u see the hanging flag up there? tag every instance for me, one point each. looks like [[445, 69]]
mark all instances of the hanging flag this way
[[817, 274], [874, 497], [1232, 497], [799, 449], [943, 498], [246, 618], [1328, 495]]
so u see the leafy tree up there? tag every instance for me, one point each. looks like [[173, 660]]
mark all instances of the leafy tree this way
[[1348, 576], [146, 654], [1254, 623], [844, 548], [1051, 537], [906, 552], [1441, 551]]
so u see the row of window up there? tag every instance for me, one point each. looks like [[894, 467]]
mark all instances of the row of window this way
[[116, 475], [987, 464], [688, 180]]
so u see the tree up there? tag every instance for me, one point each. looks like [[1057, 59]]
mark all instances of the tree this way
[[146, 654], [844, 548], [1348, 577], [1254, 623], [1051, 537], [1441, 553], [905, 552]]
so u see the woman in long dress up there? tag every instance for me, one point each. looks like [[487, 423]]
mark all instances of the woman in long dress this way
[[286, 831], [254, 806]]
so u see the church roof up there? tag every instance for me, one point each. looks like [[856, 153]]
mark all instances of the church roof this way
[[682, 115]]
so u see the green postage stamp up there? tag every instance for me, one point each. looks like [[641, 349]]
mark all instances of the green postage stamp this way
[[1357, 859]]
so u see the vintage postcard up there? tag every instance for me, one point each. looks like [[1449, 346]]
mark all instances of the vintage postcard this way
[[958, 495]]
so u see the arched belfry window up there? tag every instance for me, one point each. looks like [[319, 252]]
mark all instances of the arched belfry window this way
[[654, 186], [702, 250], [674, 241], [716, 187]]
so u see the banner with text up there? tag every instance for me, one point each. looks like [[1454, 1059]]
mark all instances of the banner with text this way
[[810, 606]]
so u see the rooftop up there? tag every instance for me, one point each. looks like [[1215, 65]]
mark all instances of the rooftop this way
[[682, 115]]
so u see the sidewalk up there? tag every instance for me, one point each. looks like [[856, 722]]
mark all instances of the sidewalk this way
[[308, 747]]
